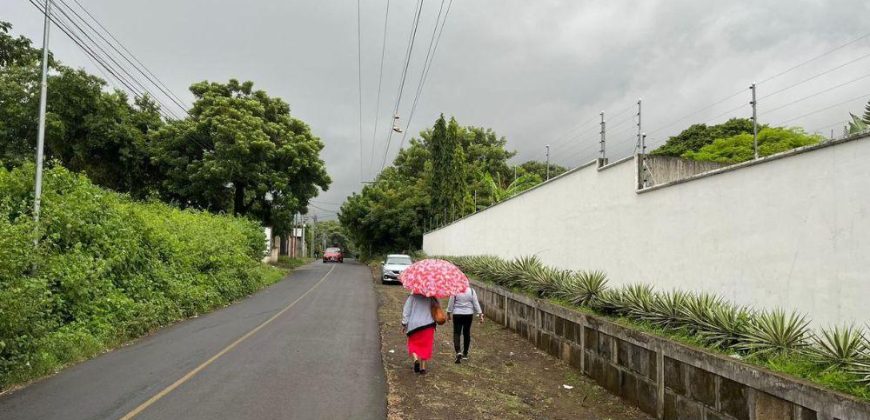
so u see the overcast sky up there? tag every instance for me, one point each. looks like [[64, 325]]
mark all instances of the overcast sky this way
[[537, 72]]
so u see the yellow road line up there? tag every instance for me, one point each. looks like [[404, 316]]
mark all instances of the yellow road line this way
[[136, 411]]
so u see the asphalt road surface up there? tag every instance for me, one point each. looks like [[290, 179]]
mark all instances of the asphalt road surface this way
[[304, 348]]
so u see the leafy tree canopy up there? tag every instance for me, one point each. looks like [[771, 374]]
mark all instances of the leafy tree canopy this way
[[391, 214], [88, 129], [539, 169], [239, 149], [739, 148], [699, 135]]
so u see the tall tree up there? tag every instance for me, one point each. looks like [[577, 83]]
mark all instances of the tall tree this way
[[242, 152], [447, 184], [88, 128], [867, 113]]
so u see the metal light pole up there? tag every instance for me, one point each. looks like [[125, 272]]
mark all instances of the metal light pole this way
[[754, 104], [548, 162], [40, 139]]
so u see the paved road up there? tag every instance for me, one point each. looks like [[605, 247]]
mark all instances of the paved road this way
[[307, 347]]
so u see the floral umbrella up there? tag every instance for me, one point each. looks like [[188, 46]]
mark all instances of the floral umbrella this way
[[431, 277]]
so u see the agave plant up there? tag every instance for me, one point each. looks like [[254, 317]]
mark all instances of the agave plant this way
[[519, 271], [697, 308], [861, 369], [724, 326], [638, 301], [772, 332], [610, 301], [839, 346], [585, 287], [667, 308]]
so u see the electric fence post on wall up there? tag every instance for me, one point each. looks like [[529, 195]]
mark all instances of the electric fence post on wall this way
[[602, 152], [754, 104]]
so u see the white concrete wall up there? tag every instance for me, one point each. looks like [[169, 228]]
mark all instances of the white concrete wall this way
[[791, 232]]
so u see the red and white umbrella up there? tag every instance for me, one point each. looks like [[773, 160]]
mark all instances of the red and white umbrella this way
[[434, 278]]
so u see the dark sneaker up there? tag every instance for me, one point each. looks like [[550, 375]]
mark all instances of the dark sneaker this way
[[416, 367], [458, 358], [464, 357], [422, 371]]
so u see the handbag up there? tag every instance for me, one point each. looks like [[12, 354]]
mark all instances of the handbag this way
[[437, 313]]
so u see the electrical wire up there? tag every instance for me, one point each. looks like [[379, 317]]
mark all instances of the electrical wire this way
[[142, 68], [75, 32], [359, 83], [380, 82], [62, 5], [826, 53], [408, 55], [427, 64]]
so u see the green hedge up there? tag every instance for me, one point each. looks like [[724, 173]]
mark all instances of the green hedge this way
[[108, 269]]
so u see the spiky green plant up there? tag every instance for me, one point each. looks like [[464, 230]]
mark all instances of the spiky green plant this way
[[839, 346], [667, 309], [697, 308], [724, 326], [585, 287], [775, 331], [610, 301], [638, 301], [519, 271], [861, 369]]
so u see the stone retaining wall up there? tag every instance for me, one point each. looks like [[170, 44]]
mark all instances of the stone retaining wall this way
[[661, 377]]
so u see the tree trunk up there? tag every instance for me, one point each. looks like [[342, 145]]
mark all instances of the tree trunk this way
[[239, 200]]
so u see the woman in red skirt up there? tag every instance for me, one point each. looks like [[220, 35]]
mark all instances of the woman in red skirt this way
[[418, 324]]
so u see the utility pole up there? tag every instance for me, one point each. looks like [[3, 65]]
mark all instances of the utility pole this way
[[602, 153], [639, 133], [754, 104], [515, 173], [40, 139], [548, 162]]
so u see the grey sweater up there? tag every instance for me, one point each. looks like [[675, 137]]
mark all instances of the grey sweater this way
[[417, 313], [464, 303]]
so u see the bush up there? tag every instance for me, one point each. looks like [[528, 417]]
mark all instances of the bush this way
[[107, 269]]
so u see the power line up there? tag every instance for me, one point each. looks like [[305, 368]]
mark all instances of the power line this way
[[427, 64], [142, 68], [404, 76], [74, 32], [359, 83], [380, 81], [107, 54], [62, 25]]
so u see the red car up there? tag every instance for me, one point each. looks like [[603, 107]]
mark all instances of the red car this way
[[333, 255]]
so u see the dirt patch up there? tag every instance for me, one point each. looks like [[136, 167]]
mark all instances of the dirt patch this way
[[505, 378]]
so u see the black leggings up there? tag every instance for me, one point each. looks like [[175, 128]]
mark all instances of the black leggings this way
[[462, 326]]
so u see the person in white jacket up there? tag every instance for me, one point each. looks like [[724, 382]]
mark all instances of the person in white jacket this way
[[461, 309]]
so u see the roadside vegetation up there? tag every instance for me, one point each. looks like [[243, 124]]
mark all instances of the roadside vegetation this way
[[108, 269], [145, 219], [836, 357]]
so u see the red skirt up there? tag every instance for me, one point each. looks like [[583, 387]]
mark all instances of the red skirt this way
[[420, 342]]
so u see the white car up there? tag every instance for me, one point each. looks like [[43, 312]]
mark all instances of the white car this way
[[393, 266]]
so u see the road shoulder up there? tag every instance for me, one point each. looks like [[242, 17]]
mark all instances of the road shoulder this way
[[506, 377]]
